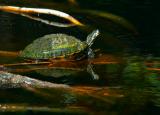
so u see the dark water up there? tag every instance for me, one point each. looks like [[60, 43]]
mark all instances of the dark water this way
[[131, 89]]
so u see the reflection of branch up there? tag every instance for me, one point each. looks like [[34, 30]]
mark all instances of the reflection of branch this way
[[73, 2], [25, 63], [154, 69], [41, 11], [16, 107], [114, 18], [47, 21]]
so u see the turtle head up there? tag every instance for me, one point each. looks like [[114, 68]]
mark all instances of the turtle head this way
[[91, 37], [85, 46]]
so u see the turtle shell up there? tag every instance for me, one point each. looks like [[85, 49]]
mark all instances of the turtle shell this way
[[53, 46]]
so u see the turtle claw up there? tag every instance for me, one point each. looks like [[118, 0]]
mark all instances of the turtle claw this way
[[90, 70]]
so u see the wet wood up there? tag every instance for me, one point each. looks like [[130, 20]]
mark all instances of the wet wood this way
[[9, 53], [25, 63], [103, 59], [68, 64], [9, 80]]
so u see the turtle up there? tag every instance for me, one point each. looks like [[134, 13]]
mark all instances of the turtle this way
[[56, 46], [60, 46]]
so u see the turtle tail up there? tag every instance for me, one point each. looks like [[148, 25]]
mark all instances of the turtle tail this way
[[91, 37]]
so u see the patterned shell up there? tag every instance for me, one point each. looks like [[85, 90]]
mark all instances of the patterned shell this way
[[53, 46]]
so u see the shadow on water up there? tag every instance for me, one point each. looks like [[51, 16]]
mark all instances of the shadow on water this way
[[127, 87]]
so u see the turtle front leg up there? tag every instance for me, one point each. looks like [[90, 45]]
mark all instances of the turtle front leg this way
[[90, 70], [90, 53]]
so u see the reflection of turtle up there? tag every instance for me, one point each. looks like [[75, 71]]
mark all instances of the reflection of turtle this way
[[63, 69], [60, 46], [57, 72]]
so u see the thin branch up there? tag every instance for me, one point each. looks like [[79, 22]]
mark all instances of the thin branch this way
[[41, 11]]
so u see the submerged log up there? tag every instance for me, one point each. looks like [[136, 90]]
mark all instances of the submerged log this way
[[9, 80]]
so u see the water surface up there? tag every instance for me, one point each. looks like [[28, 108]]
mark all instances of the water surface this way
[[129, 88]]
